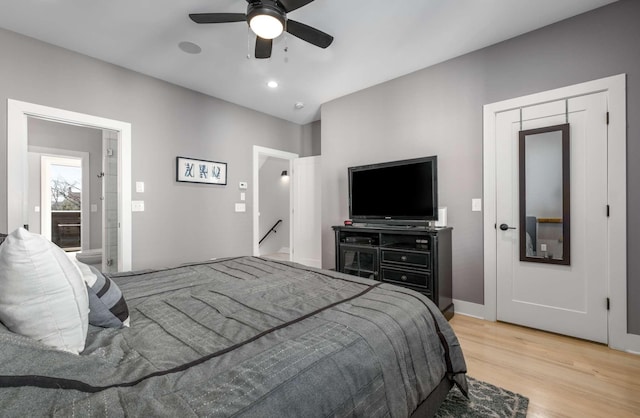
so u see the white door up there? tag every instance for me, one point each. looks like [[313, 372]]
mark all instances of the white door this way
[[570, 300], [307, 220], [62, 202]]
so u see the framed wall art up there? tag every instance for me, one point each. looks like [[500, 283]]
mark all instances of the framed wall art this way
[[191, 170]]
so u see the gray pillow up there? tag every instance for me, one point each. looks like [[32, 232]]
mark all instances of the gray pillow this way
[[107, 307]]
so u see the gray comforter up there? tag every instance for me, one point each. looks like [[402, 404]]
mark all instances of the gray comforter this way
[[242, 337]]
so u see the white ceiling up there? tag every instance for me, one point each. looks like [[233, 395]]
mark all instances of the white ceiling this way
[[375, 41]]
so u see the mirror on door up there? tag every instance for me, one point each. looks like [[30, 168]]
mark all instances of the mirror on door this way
[[544, 195]]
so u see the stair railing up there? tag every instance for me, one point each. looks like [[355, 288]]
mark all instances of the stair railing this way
[[273, 229]]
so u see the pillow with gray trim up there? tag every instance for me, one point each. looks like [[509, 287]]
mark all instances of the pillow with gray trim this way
[[42, 294], [107, 307]]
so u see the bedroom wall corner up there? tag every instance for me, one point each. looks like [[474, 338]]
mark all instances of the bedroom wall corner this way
[[182, 222], [311, 139], [438, 110]]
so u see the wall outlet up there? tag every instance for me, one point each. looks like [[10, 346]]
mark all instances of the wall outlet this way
[[137, 206], [241, 207], [94, 207]]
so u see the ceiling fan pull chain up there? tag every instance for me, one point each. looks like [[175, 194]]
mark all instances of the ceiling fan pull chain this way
[[286, 48]]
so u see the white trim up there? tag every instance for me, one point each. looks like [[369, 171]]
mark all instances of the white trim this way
[[465, 308], [489, 212], [615, 86], [17, 144], [257, 152]]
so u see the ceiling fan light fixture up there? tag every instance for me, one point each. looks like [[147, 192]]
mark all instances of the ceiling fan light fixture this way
[[266, 22]]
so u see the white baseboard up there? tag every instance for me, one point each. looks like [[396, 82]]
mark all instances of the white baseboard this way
[[632, 344], [469, 309]]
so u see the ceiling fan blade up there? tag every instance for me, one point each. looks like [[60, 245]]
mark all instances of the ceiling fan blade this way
[[309, 34], [263, 47], [218, 17], [291, 5]]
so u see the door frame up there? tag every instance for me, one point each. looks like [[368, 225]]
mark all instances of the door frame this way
[[270, 152], [18, 113], [615, 86]]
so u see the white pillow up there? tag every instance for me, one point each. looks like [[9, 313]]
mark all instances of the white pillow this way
[[42, 294]]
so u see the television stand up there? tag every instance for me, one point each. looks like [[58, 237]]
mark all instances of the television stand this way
[[418, 258]]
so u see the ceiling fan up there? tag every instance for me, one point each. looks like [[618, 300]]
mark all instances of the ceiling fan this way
[[268, 19]]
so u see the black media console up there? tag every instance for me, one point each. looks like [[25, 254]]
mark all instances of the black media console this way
[[418, 258]]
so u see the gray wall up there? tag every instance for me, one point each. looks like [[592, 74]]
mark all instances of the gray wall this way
[[438, 110], [181, 222], [274, 205], [72, 138], [312, 139]]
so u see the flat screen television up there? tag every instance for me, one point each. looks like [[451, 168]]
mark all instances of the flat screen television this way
[[397, 193]]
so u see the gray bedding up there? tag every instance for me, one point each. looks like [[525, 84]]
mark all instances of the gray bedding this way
[[242, 337]]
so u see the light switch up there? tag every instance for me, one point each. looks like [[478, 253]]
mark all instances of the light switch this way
[[137, 206], [94, 207], [243, 196], [476, 205], [36, 209], [243, 185], [241, 207], [139, 186]]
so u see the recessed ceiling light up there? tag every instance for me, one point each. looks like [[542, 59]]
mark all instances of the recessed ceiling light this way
[[273, 84], [189, 47]]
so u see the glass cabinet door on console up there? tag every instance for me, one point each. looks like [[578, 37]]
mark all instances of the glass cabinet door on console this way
[[416, 258], [359, 261]]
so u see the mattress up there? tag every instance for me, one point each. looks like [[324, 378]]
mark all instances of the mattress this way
[[243, 337]]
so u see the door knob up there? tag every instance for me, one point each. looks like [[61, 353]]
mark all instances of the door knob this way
[[504, 227]]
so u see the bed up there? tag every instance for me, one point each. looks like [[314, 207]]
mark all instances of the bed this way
[[247, 337]]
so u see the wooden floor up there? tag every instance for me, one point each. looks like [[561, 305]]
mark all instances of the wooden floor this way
[[561, 376]]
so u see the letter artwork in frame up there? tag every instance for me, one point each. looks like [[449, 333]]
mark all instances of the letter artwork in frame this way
[[191, 170]]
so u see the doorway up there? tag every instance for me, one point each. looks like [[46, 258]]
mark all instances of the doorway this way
[[274, 179], [300, 177], [274, 206], [18, 114], [527, 288]]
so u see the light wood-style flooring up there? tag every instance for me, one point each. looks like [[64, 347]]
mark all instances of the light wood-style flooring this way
[[561, 376]]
